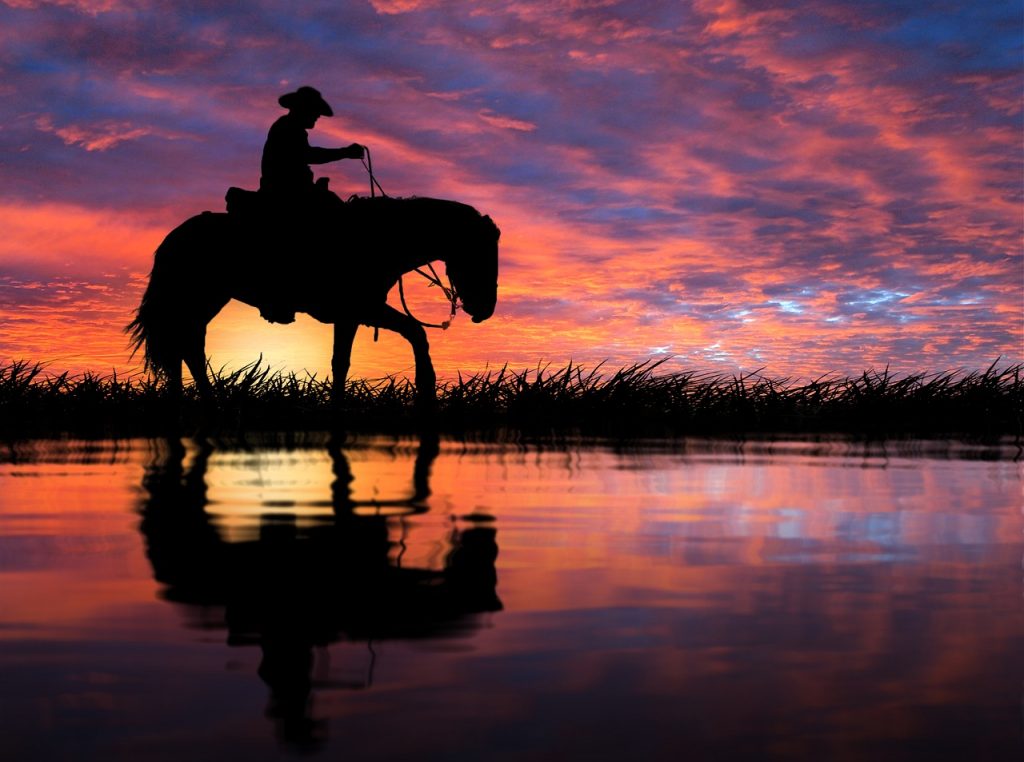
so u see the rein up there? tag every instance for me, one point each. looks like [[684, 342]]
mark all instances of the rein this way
[[449, 293], [368, 163], [435, 280]]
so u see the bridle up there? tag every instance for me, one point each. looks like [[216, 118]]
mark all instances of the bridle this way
[[449, 291]]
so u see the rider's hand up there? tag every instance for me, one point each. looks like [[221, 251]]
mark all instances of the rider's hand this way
[[356, 151]]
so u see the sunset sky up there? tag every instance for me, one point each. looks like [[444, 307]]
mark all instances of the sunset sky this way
[[734, 184]]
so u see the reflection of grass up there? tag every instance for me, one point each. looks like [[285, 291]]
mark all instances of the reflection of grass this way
[[633, 400]]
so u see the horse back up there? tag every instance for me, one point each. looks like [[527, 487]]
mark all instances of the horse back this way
[[196, 238]]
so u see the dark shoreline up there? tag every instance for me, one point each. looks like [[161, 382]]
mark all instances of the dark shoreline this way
[[633, 403]]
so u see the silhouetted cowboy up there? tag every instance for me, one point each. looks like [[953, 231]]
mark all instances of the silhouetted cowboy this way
[[287, 181], [287, 153]]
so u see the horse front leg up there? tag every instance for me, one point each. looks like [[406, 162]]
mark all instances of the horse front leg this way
[[426, 380], [344, 335]]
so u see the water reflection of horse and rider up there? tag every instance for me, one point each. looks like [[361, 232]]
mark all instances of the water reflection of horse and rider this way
[[292, 590], [294, 246]]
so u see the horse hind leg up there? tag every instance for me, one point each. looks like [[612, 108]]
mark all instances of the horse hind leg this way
[[341, 360], [193, 345], [193, 349], [173, 381]]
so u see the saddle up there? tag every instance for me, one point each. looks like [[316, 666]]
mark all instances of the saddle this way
[[245, 202], [284, 235], [313, 206]]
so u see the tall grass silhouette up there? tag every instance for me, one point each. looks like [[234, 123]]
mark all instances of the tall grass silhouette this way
[[640, 399]]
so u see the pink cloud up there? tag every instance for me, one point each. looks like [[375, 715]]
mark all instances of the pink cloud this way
[[99, 137], [506, 122], [90, 7], [395, 7]]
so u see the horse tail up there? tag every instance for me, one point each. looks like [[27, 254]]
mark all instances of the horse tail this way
[[157, 327], [152, 330]]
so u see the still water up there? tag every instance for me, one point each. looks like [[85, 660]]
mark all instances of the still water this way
[[392, 599]]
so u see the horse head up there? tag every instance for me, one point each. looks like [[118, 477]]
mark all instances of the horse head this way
[[474, 269]]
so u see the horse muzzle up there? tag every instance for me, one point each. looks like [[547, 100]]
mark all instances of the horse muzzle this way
[[480, 310]]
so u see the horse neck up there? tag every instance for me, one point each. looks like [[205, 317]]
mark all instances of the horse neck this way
[[421, 230], [417, 256]]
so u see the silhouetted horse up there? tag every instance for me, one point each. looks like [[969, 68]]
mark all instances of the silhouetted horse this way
[[338, 271]]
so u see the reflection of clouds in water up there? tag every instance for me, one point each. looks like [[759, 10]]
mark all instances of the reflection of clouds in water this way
[[830, 494], [782, 610]]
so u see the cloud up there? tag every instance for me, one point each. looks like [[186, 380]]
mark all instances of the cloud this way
[[506, 122], [394, 7], [745, 183], [97, 138], [91, 7]]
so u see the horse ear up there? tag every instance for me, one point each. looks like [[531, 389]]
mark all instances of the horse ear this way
[[489, 221]]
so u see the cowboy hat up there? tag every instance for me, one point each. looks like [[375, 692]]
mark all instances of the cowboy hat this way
[[306, 99]]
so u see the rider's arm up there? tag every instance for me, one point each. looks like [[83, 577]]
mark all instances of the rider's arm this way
[[316, 155]]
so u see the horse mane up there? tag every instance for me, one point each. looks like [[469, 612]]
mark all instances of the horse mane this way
[[430, 209], [418, 203]]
